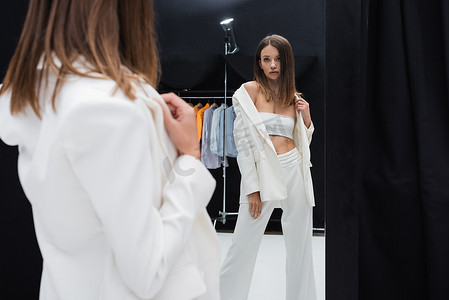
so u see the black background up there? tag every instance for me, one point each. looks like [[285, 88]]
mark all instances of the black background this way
[[20, 259]]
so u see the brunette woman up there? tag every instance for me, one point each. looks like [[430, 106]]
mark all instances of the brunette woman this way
[[272, 131], [111, 170]]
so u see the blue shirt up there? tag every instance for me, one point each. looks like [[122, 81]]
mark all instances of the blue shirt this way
[[231, 149], [217, 127]]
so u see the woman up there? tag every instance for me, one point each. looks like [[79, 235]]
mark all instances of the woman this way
[[272, 131], [112, 172]]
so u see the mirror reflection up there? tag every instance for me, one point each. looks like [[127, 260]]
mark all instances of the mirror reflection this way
[[207, 63], [259, 165]]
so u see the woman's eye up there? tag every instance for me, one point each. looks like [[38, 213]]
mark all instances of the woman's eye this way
[[278, 58], [266, 59]]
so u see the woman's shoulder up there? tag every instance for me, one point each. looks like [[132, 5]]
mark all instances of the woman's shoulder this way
[[253, 89], [94, 98], [251, 86]]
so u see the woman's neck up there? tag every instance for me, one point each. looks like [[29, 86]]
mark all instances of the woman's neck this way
[[274, 86]]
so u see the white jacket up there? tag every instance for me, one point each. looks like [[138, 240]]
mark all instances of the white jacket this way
[[257, 158], [117, 214]]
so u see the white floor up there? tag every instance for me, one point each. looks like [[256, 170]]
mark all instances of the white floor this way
[[269, 275]]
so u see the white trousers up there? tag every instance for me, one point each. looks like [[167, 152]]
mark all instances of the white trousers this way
[[238, 266]]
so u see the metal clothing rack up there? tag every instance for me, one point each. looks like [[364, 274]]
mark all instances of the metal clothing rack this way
[[230, 47], [222, 214], [204, 97]]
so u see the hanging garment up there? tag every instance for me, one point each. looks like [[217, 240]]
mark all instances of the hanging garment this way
[[196, 109], [220, 128], [199, 120], [210, 160], [216, 139], [231, 150], [216, 135]]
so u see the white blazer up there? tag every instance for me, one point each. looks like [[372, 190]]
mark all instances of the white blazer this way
[[117, 214], [257, 158]]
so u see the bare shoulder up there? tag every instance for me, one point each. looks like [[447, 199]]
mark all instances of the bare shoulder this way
[[253, 89]]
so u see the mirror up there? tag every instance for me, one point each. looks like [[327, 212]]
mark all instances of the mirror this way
[[193, 66], [192, 46]]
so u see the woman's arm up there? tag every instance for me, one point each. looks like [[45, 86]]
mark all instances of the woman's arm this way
[[302, 107]]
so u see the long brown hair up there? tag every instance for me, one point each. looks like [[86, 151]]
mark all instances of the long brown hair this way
[[287, 77], [113, 36]]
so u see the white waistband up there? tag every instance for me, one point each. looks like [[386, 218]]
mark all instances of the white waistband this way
[[291, 157]]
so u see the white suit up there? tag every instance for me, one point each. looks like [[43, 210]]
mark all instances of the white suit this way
[[257, 159], [283, 181], [117, 214]]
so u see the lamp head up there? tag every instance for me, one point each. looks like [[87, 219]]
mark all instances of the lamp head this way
[[227, 24], [232, 46]]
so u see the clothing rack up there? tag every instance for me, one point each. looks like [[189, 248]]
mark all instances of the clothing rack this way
[[204, 97], [222, 214]]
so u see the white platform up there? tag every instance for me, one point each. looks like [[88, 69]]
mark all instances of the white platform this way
[[269, 274]]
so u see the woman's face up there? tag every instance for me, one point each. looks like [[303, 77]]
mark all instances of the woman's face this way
[[270, 62]]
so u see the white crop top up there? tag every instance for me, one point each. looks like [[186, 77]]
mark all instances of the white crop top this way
[[278, 124]]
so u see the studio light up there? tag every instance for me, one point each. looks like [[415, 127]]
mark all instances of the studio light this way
[[230, 41], [230, 47]]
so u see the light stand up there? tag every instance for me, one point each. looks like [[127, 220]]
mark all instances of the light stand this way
[[229, 43]]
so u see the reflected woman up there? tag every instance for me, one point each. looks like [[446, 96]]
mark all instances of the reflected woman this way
[[272, 131]]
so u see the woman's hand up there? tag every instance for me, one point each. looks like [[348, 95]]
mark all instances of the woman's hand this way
[[180, 123], [302, 106], [255, 205]]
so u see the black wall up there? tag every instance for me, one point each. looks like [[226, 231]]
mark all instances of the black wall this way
[[20, 259]]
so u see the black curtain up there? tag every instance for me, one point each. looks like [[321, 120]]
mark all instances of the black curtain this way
[[343, 94], [404, 224], [392, 212]]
